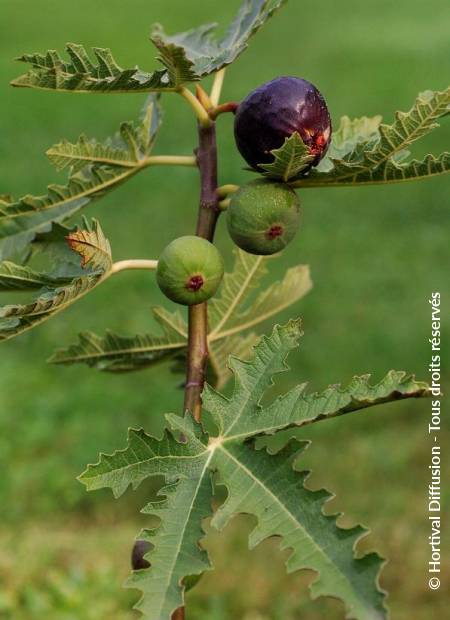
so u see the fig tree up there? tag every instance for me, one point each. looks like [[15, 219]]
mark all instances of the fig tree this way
[[263, 216], [189, 270], [273, 112]]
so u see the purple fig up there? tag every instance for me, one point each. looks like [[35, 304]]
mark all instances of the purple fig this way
[[273, 112]]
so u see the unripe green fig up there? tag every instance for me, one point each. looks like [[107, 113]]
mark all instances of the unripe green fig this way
[[263, 216], [189, 270]]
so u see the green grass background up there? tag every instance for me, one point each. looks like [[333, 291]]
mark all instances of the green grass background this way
[[375, 253]]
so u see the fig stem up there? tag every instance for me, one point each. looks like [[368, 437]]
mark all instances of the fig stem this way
[[216, 89], [200, 112], [229, 106], [123, 265], [225, 190], [197, 359], [208, 214]]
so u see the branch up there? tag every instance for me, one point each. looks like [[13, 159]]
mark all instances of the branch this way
[[206, 223]]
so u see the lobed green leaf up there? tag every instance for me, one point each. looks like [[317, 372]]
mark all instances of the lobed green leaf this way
[[181, 513], [260, 482], [113, 353], [290, 160], [50, 71], [93, 174], [367, 151], [128, 149], [186, 56], [272, 489], [192, 55], [143, 457], [18, 318], [22, 278]]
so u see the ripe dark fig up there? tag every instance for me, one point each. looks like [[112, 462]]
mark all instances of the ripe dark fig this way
[[263, 216], [273, 112], [190, 270], [140, 548]]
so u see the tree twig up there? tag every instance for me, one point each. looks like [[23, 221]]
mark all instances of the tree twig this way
[[206, 223]]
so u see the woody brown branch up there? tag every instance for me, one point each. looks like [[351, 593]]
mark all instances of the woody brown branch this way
[[208, 213]]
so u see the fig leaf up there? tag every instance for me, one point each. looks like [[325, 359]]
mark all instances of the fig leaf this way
[[186, 56], [290, 159], [369, 152], [55, 294], [22, 278], [127, 149], [95, 169], [268, 485], [113, 353], [194, 54], [49, 71]]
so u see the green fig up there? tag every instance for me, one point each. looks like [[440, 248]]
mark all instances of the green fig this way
[[189, 270], [263, 216]]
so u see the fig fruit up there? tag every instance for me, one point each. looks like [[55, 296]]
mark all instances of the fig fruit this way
[[273, 112], [140, 548], [263, 216], [189, 270]]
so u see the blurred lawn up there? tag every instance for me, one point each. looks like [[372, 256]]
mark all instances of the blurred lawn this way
[[375, 253]]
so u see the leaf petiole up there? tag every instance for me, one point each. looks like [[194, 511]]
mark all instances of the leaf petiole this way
[[124, 265], [216, 90], [200, 112], [203, 97], [170, 160]]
